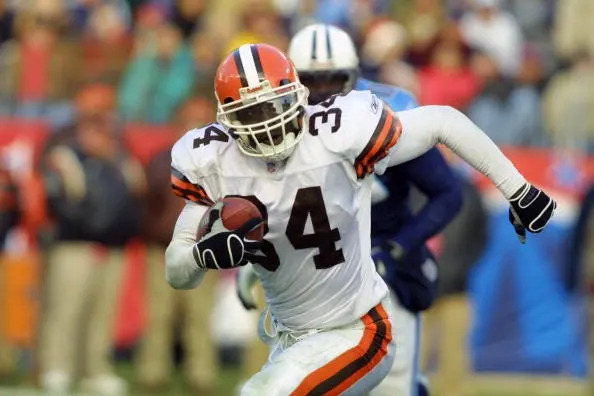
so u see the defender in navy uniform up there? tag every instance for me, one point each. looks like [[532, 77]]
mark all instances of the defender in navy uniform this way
[[327, 63]]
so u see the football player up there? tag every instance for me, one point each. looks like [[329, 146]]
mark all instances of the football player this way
[[307, 168], [328, 64]]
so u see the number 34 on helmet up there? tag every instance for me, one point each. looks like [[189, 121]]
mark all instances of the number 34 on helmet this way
[[261, 99]]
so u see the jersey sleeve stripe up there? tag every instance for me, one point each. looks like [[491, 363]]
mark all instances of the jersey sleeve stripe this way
[[182, 187], [342, 372], [393, 136], [386, 134]]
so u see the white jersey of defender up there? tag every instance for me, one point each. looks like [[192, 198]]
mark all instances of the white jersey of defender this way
[[317, 203]]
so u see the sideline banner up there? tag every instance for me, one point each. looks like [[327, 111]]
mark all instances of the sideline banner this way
[[526, 320]]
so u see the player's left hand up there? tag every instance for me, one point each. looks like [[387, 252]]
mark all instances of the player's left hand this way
[[531, 209]]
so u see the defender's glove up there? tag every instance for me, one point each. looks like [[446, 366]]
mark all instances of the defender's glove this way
[[246, 278], [221, 248], [386, 254], [531, 209]]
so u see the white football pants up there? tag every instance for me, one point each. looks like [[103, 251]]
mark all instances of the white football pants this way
[[404, 376], [349, 360]]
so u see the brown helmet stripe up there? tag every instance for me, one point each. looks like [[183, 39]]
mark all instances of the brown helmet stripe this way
[[240, 69]]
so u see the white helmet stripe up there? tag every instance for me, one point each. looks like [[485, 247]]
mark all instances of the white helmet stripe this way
[[322, 49], [249, 66]]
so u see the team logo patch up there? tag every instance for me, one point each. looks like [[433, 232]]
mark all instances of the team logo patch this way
[[271, 166]]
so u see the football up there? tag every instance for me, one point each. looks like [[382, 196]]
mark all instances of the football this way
[[236, 211]]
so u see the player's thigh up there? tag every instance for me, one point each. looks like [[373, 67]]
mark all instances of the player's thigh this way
[[402, 378], [333, 362]]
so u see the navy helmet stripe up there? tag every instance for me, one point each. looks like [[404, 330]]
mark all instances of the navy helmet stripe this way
[[328, 46]]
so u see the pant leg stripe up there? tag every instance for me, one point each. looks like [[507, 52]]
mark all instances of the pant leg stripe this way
[[343, 371]]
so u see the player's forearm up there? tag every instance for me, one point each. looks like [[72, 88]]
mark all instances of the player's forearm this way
[[433, 218], [426, 126], [181, 270]]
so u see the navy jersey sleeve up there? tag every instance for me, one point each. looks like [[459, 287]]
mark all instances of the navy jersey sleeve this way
[[433, 177]]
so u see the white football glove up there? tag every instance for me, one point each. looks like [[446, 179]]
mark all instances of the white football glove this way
[[246, 279]]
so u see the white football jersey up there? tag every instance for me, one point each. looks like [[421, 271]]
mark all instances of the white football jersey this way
[[318, 272]]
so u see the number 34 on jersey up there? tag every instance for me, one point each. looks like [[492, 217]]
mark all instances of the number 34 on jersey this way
[[314, 203]]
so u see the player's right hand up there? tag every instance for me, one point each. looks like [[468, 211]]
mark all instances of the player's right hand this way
[[246, 279], [531, 209], [222, 248]]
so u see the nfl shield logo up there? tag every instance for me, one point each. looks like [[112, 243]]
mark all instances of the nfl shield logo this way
[[271, 166]]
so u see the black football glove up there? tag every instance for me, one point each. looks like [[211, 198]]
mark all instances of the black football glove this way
[[531, 209], [221, 248]]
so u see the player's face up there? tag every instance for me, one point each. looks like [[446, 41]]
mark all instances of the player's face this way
[[262, 112], [323, 84]]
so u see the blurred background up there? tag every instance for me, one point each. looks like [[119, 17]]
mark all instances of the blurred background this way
[[94, 92]]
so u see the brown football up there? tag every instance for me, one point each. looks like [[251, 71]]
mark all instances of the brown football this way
[[236, 212]]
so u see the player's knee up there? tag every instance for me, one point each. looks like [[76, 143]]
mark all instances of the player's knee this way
[[273, 381]]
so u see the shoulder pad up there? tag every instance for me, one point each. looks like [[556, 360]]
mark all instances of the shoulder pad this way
[[358, 126], [194, 159]]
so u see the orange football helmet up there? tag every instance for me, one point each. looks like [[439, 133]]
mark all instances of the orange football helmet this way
[[261, 99]]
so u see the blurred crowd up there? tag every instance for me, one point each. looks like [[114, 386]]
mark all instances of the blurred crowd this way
[[523, 70], [517, 67]]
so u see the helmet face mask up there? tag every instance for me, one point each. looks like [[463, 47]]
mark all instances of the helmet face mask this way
[[266, 125], [324, 83], [266, 119]]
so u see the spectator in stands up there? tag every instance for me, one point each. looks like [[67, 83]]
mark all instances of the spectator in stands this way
[[382, 55], [509, 109], [206, 60], [568, 101], [9, 204], [81, 12], [6, 22], [39, 69], [105, 45], [187, 15], [572, 33], [296, 14], [448, 79], [9, 216], [489, 28], [534, 17], [159, 77], [259, 23], [423, 21], [167, 306], [93, 187]]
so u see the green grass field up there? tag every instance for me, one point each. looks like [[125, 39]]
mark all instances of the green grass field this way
[[484, 385]]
